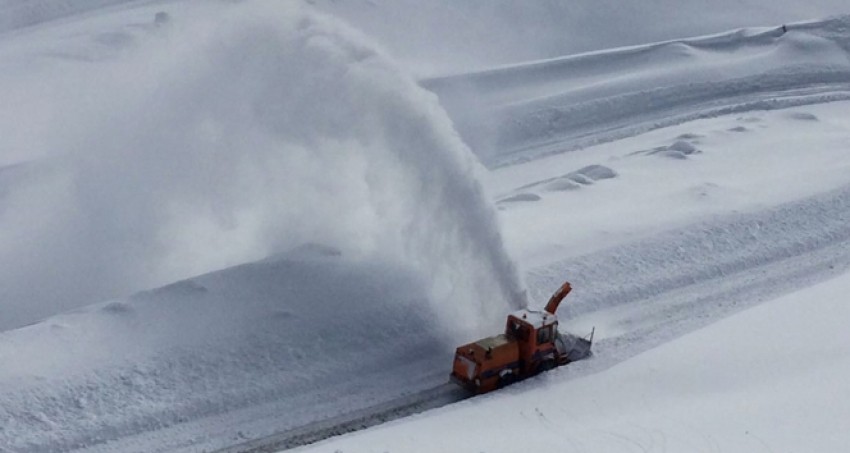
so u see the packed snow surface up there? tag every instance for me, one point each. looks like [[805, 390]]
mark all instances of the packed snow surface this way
[[319, 241]]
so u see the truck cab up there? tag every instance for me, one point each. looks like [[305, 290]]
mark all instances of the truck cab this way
[[535, 333]]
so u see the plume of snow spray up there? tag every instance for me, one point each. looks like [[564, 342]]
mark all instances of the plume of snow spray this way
[[253, 132]]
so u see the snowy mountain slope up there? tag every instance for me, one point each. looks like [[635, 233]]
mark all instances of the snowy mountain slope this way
[[768, 379], [444, 36], [161, 149], [521, 111], [447, 36]]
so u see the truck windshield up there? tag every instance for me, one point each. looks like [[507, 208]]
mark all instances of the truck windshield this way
[[544, 335]]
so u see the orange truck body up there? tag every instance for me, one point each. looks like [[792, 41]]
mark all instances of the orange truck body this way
[[531, 344]]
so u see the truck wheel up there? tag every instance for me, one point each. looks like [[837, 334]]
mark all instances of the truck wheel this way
[[546, 365], [506, 380]]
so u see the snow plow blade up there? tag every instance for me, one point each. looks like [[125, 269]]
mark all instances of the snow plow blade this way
[[573, 348]]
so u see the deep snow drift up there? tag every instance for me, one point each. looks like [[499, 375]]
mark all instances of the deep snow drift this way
[[243, 132]]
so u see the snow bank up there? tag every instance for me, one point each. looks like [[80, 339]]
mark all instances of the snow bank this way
[[287, 340], [247, 131]]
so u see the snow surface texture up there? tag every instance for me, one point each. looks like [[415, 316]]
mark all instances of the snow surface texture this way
[[148, 135], [778, 158], [276, 333], [243, 132], [441, 36]]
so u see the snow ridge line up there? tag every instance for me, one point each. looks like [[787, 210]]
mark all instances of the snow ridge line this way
[[36, 12], [512, 75], [521, 112]]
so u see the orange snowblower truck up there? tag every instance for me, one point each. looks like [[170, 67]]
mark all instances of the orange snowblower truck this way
[[530, 345]]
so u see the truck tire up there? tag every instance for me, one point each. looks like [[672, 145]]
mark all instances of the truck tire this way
[[506, 380], [546, 365]]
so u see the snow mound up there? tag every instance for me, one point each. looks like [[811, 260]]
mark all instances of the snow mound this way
[[802, 116], [573, 180], [688, 136], [683, 147], [295, 333], [680, 149], [562, 185], [596, 172], [520, 197]]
